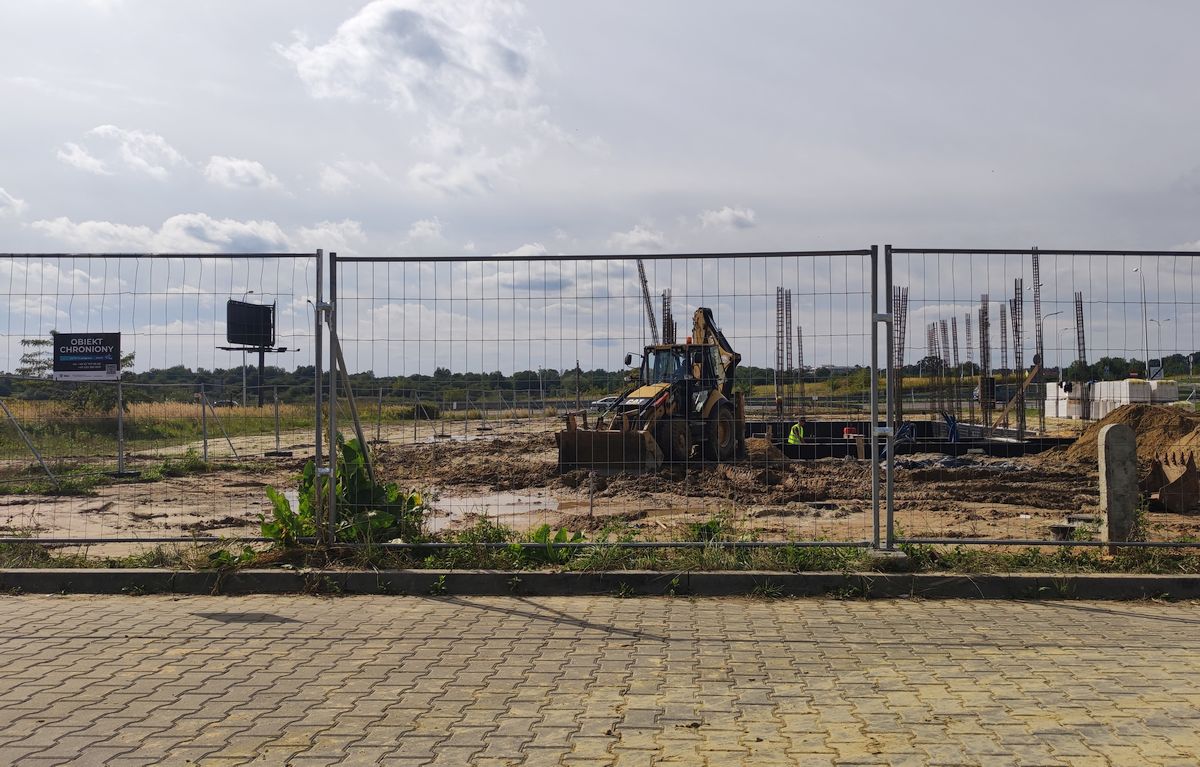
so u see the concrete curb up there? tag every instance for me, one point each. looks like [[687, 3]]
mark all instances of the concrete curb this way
[[616, 583]]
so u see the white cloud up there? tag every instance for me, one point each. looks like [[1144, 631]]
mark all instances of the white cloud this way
[[460, 173], [108, 146], [10, 207], [727, 218], [639, 238], [528, 249], [75, 155], [344, 237], [469, 69], [456, 59], [342, 176], [186, 232], [236, 173], [201, 233], [425, 229], [142, 151], [334, 180]]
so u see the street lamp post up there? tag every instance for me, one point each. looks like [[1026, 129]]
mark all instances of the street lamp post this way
[[1162, 363], [1145, 322], [1058, 343]]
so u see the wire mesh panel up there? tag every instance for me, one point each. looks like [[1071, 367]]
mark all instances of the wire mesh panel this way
[[619, 398], [178, 436], [1004, 446]]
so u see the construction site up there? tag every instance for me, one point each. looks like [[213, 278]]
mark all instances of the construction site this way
[[713, 419]]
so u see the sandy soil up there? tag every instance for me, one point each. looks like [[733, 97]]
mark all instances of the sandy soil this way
[[507, 472]]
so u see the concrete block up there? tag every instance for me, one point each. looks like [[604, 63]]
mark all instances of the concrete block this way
[[1118, 481]]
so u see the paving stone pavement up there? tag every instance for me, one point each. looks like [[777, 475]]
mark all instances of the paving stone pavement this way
[[311, 681]]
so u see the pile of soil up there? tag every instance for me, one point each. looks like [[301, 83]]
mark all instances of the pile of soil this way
[[1158, 428]]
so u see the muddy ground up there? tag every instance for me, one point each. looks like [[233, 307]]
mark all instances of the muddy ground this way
[[508, 474], [514, 480]]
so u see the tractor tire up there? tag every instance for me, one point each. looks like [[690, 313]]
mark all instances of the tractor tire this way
[[722, 433], [674, 440]]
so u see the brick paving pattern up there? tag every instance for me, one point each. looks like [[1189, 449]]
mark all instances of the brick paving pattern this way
[[308, 681]]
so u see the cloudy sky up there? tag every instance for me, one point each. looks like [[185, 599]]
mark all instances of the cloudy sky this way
[[406, 127]]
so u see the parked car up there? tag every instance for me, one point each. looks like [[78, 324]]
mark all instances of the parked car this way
[[602, 404], [225, 403]]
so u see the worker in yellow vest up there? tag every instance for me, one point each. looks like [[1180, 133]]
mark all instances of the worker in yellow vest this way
[[796, 435]]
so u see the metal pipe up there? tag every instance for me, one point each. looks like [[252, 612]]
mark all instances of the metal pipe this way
[[631, 257], [204, 421], [874, 394], [318, 514], [625, 544], [889, 494], [28, 442], [331, 321], [275, 399], [120, 429], [1036, 542]]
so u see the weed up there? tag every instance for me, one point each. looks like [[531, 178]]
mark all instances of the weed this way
[[766, 590], [369, 510], [514, 584], [715, 528], [624, 591], [224, 559], [549, 553], [438, 587], [605, 557]]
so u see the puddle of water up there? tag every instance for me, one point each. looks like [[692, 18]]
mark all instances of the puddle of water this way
[[454, 438], [498, 506]]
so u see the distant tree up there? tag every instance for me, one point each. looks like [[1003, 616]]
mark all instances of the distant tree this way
[[37, 360]]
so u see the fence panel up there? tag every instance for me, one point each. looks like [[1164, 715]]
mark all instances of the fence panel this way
[[1005, 362], [182, 446], [466, 370]]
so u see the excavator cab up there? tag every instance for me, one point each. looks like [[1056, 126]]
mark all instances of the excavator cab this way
[[678, 405]]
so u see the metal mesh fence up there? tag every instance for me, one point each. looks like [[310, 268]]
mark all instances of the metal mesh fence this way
[[182, 444], [500, 387], [997, 436], [679, 398]]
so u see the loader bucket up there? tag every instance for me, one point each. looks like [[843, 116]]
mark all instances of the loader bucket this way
[[607, 452]]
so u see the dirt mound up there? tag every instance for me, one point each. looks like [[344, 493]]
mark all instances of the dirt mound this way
[[1158, 428], [760, 450]]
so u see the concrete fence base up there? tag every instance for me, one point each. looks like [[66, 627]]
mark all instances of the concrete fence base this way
[[616, 583]]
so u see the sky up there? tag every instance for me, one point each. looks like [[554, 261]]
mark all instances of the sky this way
[[415, 127]]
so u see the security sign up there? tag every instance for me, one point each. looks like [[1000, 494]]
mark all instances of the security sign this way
[[87, 356]]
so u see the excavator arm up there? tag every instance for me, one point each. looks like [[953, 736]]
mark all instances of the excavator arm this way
[[705, 331]]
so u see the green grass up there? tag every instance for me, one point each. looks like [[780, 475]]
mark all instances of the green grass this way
[[712, 557]]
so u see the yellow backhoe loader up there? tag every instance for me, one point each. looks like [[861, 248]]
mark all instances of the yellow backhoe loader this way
[[679, 407]]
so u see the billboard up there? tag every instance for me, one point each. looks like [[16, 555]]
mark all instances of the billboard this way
[[87, 356], [250, 324]]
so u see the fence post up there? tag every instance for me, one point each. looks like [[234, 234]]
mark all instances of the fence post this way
[[875, 319], [275, 400], [379, 417], [204, 421], [318, 501], [331, 320], [120, 429], [893, 407]]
